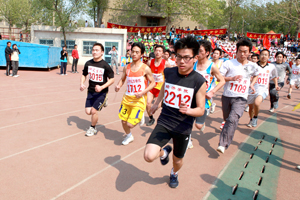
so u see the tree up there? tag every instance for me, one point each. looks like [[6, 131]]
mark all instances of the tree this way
[[96, 9]]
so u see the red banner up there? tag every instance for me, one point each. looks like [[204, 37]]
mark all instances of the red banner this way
[[135, 29], [298, 35], [262, 35], [203, 32]]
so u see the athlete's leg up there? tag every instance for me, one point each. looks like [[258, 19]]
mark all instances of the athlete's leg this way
[[152, 152], [251, 110], [177, 163], [257, 103], [150, 98]]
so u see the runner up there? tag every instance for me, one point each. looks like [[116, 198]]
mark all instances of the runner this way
[[184, 99], [237, 73], [281, 68], [101, 76], [295, 77], [134, 100], [157, 67], [266, 72], [208, 70]]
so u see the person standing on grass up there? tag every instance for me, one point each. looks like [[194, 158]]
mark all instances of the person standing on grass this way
[[75, 56], [64, 61], [15, 60]]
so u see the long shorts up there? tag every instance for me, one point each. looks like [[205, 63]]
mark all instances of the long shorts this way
[[155, 92], [161, 136], [201, 120], [252, 97], [130, 114], [95, 100], [295, 81]]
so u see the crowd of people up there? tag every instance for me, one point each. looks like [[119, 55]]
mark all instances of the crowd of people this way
[[185, 92]]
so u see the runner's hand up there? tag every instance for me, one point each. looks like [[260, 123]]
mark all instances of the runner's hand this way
[[82, 87], [153, 109], [278, 88], [209, 95], [117, 88], [183, 108], [235, 78], [98, 88], [287, 81], [253, 89], [138, 94]]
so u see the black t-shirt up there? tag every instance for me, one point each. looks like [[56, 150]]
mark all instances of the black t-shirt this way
[[179, 87], [98, 73]]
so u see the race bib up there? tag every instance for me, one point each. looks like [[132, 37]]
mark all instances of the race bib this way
[[208, 80], [263, 79], [174, 94], [96, 74], [158, 78], [295, 71], [134, 85], [239, 87]]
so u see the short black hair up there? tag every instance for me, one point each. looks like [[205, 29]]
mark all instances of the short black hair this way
[[160, 46], [8, 42], [113, 46], [100, 45], [255, 55], [206, 45], [298, 57], [75, 45], [265, 50], [173, 52], [218, 49], [188, 42], [244, 42], [139, 45], [284, 56], [278, 53], [169, 52], [14, 45]]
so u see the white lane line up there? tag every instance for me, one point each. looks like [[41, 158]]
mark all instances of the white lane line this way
[[82, 110], [95, 174], [43, 94], [33, 148], [235, 155], [46, 87]]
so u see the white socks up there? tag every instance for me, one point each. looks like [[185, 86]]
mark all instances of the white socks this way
[[165, 155], [172, 172]]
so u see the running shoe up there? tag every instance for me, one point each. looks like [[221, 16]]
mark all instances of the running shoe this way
[[247, 109], [62, 74], [151, 122], [173, 181], [190, 145], [66, 74], [289, 96], [91, 131], [222, 125], [213, 108], [203, 127], [10, 75], [221, 149], [106, 103], [250, 123], [127, 139], [168, 149], [271, 110], [254, 122], [142, 122], [76, 72], [298, 167], [276, 105], [16, 76]]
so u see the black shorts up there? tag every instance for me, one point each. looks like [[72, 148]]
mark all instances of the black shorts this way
[[161, 136], [95, 100]]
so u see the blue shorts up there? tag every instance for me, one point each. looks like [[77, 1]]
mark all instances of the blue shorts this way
[[95, 100]]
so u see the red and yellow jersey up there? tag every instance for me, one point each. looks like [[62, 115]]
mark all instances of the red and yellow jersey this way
[[158, 73]]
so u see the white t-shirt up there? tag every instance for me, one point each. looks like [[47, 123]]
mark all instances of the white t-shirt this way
[[266, 74], [172, 63], [295, 69], [238, 88], [86, 24]]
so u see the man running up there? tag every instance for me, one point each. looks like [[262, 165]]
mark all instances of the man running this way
[[266, 72], [281, 68], [184, 99], [157, 67], [208, 70], [101, 76], [295, 77], [133, 105], [237, 74]]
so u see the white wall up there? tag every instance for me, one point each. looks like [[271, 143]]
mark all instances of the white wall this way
[[100, 35]]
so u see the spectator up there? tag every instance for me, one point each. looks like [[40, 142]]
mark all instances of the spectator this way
[[75, 56], [0, 36], [21, 36], [114, 59], [15, 60], [8, 52], [86, 23], [64, 61], [102, 25], [195, 28]]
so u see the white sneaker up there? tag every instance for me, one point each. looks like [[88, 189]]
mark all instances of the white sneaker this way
[[247, 109], [221, 149], [91, 131], [190, 145], [62, 74], [66, 74], [127, 140], [142, 122], [203, 127], [271, 110], [298, 167], [250, 123], [16, 76], [10, 75], [213, 108]]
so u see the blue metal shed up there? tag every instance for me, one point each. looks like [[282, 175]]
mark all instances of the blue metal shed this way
[[33, 55]]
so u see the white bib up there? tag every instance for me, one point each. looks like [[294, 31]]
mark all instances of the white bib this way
[[158, 78], [96, 74], [134, 85], [239, 87], [174, 94]]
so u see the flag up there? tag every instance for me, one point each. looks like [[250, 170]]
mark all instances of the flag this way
[[255, 50], [266, 42], [297, 107], [212, 44]]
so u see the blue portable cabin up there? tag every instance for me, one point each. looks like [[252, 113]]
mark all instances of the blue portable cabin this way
[[33, 55]]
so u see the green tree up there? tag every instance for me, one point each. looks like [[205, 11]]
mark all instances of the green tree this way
[[10, 11], [96, 9]]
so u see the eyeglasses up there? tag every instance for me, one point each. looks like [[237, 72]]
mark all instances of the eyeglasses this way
[[186, 59]]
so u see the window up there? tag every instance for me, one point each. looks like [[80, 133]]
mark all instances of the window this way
[[107, 48], [47, 42], [152, 21], [70, 45], [87, 48]]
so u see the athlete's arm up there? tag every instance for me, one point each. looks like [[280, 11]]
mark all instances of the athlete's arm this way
[[167, 65], [99, 88], [158, 100], [149, 62], [200, 101], [254, 79], [151, 84], [82, 86], [122, 80], [220, 79]]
